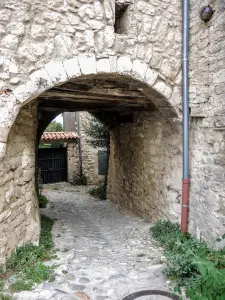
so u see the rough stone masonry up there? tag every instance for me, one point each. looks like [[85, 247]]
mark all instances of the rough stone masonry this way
[[45, 43]]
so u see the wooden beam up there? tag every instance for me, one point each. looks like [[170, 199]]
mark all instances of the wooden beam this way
[[100, 90], [89, 99]]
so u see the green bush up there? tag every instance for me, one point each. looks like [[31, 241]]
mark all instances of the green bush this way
[[26, 263], [43, 201], [98, 192], [191, 263]]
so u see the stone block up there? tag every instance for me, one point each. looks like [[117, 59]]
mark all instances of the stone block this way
[[124, 64], [87, 64], [10, 42], [26, 92], [72, 67], [139, 68], [163, 89], [41, 80], [103, 65], [220, 123], [2, 150], [113, 64], [150, 76], [56, 72]]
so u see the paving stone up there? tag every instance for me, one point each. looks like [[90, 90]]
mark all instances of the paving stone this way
[[84, 280], [77, 287]]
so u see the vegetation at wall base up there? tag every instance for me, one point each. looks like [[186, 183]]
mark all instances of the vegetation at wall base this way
[[98, 192], [43, 201], [4, 296], [80, 180], [191, 263], [25, 267]]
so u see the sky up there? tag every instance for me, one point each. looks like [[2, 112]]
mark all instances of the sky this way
[[59, 119]]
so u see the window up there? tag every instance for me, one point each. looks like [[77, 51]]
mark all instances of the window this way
[[121, 18], [102, 162]]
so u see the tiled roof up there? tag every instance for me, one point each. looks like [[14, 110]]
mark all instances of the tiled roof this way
[[58, 136]]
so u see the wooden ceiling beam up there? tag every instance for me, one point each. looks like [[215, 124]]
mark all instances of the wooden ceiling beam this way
[[90, 99], [101, 91]]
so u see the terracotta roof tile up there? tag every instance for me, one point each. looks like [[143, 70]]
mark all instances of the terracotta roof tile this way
[[58, 136]]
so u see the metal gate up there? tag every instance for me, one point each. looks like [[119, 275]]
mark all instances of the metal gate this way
[[52, 163]]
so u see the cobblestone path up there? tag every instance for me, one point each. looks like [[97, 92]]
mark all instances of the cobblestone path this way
[[104, 252]]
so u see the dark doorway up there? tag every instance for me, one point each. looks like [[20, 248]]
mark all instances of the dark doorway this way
[[52, 163]]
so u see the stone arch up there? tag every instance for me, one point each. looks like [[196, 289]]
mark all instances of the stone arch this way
[[18, 103], [57, 72]]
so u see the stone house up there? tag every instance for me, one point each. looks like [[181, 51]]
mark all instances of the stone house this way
[[57, 165], [121, 62], [54, 167], [87, 154]]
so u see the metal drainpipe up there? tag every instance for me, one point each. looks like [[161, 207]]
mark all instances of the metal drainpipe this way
[[185, 104], [79, 144]]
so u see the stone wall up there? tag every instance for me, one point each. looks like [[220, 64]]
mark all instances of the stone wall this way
[[72, 161], [145, 167], [19, 212], [45, 43], [37, 32], [89, 154], [207, 80]]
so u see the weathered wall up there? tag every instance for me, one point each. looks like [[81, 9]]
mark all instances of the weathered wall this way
[[46, 43], [19, 212], [72, 161], [145, 167], [207, 94], [37, 32], [89, 154]]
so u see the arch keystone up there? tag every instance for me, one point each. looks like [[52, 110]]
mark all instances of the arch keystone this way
[[124, 64], [103, 65]]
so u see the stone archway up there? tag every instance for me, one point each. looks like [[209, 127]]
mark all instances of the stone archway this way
[[154, 99], [56, 72]]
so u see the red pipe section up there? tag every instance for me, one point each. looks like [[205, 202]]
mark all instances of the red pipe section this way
[[185, 205]]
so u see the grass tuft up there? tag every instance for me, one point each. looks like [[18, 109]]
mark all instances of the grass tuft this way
[[98, 192], [43, 201], [26, 263]]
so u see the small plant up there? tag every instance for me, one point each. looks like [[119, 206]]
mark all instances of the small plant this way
[[21, 285], [191, 263], [80, 180], [26, 263], [5, 297], [98, 192], [43, 201]]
